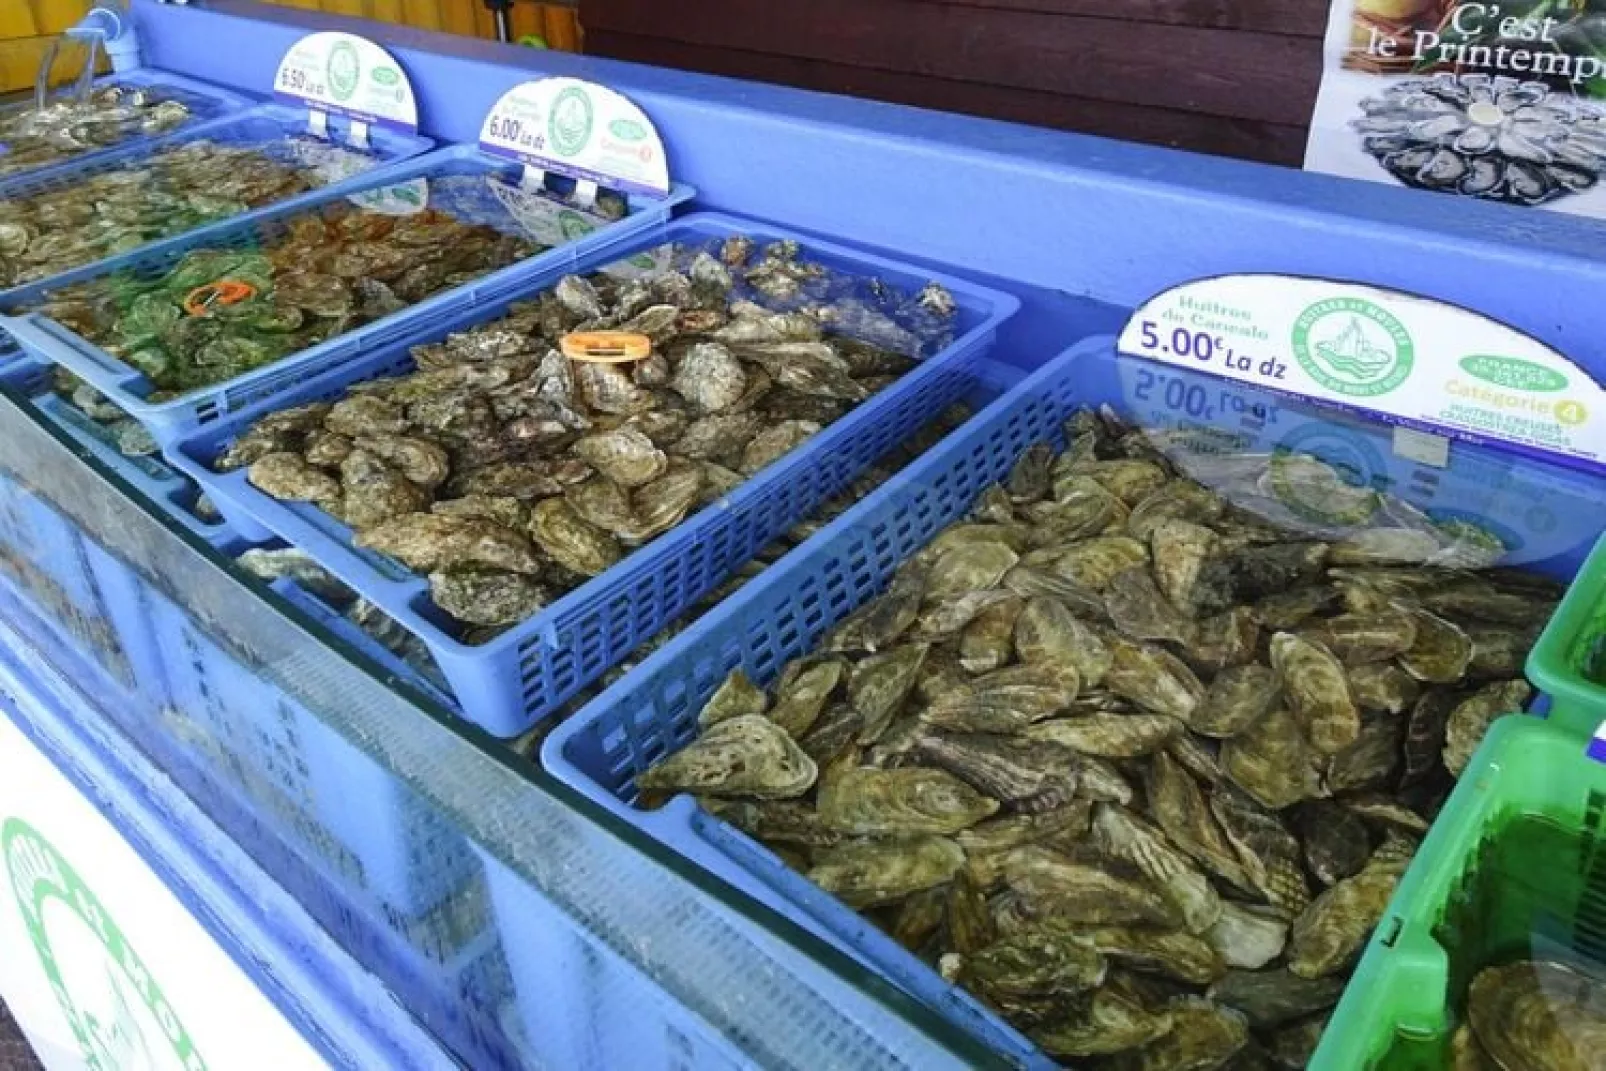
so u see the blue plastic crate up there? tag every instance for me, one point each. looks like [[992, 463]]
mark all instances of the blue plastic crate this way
[[268, 128], [48, 340], [206, 102], [507, 685], [783, 614]]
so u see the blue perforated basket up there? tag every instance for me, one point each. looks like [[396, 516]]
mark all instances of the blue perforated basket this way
[[206, 102], [652, 711], [268, 128], [48, 340], [510, 683]]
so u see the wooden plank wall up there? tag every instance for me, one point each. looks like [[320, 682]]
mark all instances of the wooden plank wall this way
[[557, 23], [1235, 77], [28, 26]]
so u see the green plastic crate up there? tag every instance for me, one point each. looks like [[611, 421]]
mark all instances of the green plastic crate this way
[[1514, 866], [1569, 661]]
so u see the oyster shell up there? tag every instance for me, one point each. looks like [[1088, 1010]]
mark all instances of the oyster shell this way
[[1093, 893], [747, 755], [1272, 761], [1247, 938], [1317, 691], [1328, 936], [1472, 717], [1027, 776], [1272, 998], [1534, 1014], [865, 873], [1236, 700], [866, 801]]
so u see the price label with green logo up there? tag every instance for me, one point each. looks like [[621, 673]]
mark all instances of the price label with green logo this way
[[349, 76], [578, 129], [1408, 360]]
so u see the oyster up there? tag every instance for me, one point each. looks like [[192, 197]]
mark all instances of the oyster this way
[[1247, 938], [1111, 736], [1031, 964], [866, 801], [1124, 835], [802, 694], [747, 755], [570, 540], [1048, 632], [1317, 691], [491, 597], [1534, 1014], [624, 455], [1153, 678], [1327, 937], [1272, 761], [1337, 845], [1094, 893], [1472, 716], [1203, 1035], [1237, 699], [1027, 776], [1101, 1023], [1271, 998], [868, 873]]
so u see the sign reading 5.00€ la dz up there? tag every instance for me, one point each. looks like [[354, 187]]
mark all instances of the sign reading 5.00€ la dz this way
[[1409, 360]]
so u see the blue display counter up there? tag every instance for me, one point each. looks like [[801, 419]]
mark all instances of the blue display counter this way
[[364, 878]]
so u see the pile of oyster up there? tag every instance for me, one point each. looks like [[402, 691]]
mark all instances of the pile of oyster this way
[[509, 474], [1135, 766], [1482, 136], [222, 311], [171, 192], [69, 127], [1532, 1015]]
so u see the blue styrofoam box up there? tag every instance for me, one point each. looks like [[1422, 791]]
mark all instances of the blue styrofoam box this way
[[206, 102], [391, 846], [268, 128], [508, 684], [45, 338], [373, 833]]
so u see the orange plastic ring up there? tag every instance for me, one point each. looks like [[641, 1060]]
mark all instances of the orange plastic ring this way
[[606, 347], [203, 299]]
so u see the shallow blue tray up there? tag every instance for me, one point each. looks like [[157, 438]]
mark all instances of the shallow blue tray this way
[[206, 102], [261, 127], [48, 340], [509, 684]]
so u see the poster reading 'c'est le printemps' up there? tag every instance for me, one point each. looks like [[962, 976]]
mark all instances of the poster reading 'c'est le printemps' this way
[[1502, 101]]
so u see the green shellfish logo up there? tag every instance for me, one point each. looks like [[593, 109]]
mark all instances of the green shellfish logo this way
[[569, 122], [1353, 347], [114, 1006], [343, 70]]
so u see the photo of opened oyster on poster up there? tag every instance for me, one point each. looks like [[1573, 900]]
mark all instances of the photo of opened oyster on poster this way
[[1501, 101]]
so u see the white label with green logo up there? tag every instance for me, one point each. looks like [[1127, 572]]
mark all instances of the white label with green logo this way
[[579, 129], [100, 963], [350, 76], [1409, 360]]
